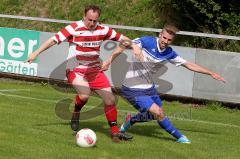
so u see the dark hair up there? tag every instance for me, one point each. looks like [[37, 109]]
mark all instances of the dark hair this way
[[94, 8]]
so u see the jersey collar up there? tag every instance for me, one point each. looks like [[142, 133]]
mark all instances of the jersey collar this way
[[159, 50]]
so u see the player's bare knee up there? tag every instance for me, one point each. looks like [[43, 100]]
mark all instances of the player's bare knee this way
[[110, 100], [160, 115], [83, 97]]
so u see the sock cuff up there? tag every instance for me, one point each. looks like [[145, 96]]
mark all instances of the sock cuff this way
[[112, 123], [79, 102], [164, 120]]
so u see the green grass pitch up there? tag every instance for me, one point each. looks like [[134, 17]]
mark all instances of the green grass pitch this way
[[30, 129]]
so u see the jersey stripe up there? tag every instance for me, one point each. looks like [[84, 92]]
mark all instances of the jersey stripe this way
[[89, 38], [84, 43], [87, 49], [87, 58]]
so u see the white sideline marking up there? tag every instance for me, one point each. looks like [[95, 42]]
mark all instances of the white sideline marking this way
[[13, 90], [19, 96], [207, 122], [126, 111]]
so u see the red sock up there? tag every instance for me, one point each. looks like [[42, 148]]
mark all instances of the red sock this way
[[78, 104], [111, 115]]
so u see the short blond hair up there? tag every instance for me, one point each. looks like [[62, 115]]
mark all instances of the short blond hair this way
[[171, 29]]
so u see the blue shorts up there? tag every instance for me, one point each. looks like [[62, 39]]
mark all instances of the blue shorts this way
[[141, 99]]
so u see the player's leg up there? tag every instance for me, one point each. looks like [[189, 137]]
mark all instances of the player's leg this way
[[109, 107], [131, 119], [141, 102], [165, 123], [83, 92], [111, 113]]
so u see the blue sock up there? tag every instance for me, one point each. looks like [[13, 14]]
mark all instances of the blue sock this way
[[141, 117], [167, 125]]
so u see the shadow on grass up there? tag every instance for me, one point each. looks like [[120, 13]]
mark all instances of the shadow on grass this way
[[140, 129], [150, 131], [98, 126], [102, 127], [154, 131]]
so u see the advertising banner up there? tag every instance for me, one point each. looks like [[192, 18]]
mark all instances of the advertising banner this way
[[15, 45]]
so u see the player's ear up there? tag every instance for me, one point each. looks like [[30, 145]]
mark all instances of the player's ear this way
[[159, 34], [84, 17]]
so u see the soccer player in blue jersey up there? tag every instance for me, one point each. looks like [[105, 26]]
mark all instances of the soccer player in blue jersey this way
[[138, 87]]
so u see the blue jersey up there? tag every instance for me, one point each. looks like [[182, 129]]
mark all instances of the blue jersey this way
[[140, 73]]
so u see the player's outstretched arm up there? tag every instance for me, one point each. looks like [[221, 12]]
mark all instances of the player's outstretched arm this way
[[125, 43], [47, 44], [117, 51], [137, 51], [196, 68]]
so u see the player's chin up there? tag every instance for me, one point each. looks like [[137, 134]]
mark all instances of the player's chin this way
[[91, 27], [163, 46]]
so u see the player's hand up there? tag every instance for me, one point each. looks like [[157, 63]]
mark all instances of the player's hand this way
[[137, 51], [31, 57], [139, 55], [105, 66], [218, 77]]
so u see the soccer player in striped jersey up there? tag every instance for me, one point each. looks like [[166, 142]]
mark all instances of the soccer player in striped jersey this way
[[138, 87], [84, 66]]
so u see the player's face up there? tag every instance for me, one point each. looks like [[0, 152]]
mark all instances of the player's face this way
[[165, 39], [90, 19]]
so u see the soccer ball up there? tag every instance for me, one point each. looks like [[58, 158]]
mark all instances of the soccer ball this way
[[86, 138]]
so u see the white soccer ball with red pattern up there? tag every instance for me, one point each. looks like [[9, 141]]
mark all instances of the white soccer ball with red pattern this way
[[86, 138]]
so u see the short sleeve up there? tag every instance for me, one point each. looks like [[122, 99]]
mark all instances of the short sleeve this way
[[177, 60], [137, 42], [113, 35], [65, 33]]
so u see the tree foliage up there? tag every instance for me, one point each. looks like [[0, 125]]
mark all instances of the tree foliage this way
[[213, 16], [208, 16]]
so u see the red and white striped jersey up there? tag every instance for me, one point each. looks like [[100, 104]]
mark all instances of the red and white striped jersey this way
[[84, 50]]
